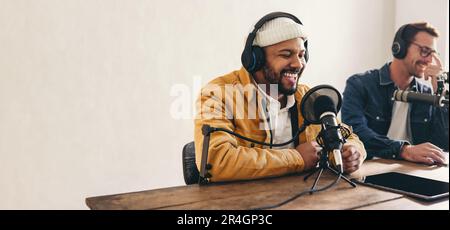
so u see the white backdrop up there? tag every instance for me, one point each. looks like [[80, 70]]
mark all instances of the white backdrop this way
[[85, 86]]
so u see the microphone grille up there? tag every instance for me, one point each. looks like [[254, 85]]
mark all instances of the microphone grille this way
[[323, 104]]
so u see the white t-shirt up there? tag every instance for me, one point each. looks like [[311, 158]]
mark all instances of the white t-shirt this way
[[399, 129], [280, 119]]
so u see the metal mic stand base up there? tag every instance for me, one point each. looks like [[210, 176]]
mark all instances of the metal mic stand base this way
[[323, 164]]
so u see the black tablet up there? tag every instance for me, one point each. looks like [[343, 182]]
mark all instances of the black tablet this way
[[419, 187]]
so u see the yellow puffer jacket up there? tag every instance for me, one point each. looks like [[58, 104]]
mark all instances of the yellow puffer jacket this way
[[236, 159]]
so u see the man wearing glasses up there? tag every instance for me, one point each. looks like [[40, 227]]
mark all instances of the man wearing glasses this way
[[414, 132]]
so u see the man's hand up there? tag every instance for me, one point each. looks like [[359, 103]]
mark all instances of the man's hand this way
[[433, 71], [351, 158], [309, 152], [426, 153]]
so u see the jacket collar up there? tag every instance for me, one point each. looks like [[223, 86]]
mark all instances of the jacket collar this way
[[385, 78], [244, 77], [385, 75]]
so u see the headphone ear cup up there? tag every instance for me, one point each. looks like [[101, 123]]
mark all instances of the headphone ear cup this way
[[260, 58], [253, 59], [399, 49], [399, 45], [395, 49], [247, 59]]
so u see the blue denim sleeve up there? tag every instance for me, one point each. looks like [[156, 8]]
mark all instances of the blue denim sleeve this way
[[353, 114], [439, 134]]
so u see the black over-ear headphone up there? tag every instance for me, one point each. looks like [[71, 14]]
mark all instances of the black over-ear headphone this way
[[399, 47], [253, 57]]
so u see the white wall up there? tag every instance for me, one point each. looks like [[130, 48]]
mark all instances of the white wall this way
[[85, 85]]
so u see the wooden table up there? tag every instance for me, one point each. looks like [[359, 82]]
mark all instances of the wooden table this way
[[264, 192]]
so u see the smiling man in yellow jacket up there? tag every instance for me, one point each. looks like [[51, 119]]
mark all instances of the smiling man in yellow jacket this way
[[258, 101]]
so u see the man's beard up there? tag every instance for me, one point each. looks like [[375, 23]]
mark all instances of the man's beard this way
[[275, 78]]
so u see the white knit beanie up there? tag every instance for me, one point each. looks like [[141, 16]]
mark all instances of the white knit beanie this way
[[278, 30]]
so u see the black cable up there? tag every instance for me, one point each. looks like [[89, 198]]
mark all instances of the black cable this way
[[299, 195], [300, 129], [271, 133]]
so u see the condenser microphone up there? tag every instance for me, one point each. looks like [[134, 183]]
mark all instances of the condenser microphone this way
[[325, 110], [414, 97]]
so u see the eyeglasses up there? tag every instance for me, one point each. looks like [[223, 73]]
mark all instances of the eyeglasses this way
[[425, 51]]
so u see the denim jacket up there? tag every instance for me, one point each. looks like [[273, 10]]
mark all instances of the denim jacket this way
[[367, 107]]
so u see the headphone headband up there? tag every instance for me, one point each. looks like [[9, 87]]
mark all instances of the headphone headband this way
[[274, 15]]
